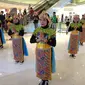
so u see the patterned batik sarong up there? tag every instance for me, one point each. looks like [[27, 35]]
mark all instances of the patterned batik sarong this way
[[82, 34], [43, 63], [18, 49], [73, 45]]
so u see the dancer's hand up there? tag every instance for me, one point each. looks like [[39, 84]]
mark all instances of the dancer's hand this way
[[38, 40], [45, 40], [16, 33]]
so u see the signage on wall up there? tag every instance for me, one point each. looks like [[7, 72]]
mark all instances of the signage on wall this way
[[68, 9]]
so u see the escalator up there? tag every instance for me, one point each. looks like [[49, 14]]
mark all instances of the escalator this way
[[44, 5]]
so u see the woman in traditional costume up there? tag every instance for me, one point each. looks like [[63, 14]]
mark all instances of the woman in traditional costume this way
[[82, 34], [2, 39], [45, 39], [74, 28], [16, 31]]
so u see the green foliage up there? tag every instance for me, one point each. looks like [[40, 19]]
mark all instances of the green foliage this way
[[73, 25], [17, 27], [48, 31]]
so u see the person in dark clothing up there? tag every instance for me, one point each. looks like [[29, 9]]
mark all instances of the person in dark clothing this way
[[67, 23], [36, 19], [31, 12], [2, 19]]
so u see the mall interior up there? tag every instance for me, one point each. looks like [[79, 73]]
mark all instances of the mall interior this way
[[69, 69]]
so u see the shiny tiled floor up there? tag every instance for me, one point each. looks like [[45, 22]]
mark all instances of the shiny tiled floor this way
[[69, 71]]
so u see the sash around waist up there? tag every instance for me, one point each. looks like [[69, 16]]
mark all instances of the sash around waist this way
[[75, 32], [16, 36], [43, 46]]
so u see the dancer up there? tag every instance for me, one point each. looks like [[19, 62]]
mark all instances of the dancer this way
[[2, 39], [45, 39], [74, 28], [82, 34], [16, 31]]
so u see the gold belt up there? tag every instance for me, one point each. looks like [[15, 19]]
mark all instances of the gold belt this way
[[75, 32], [16, 36], [43, 46]]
